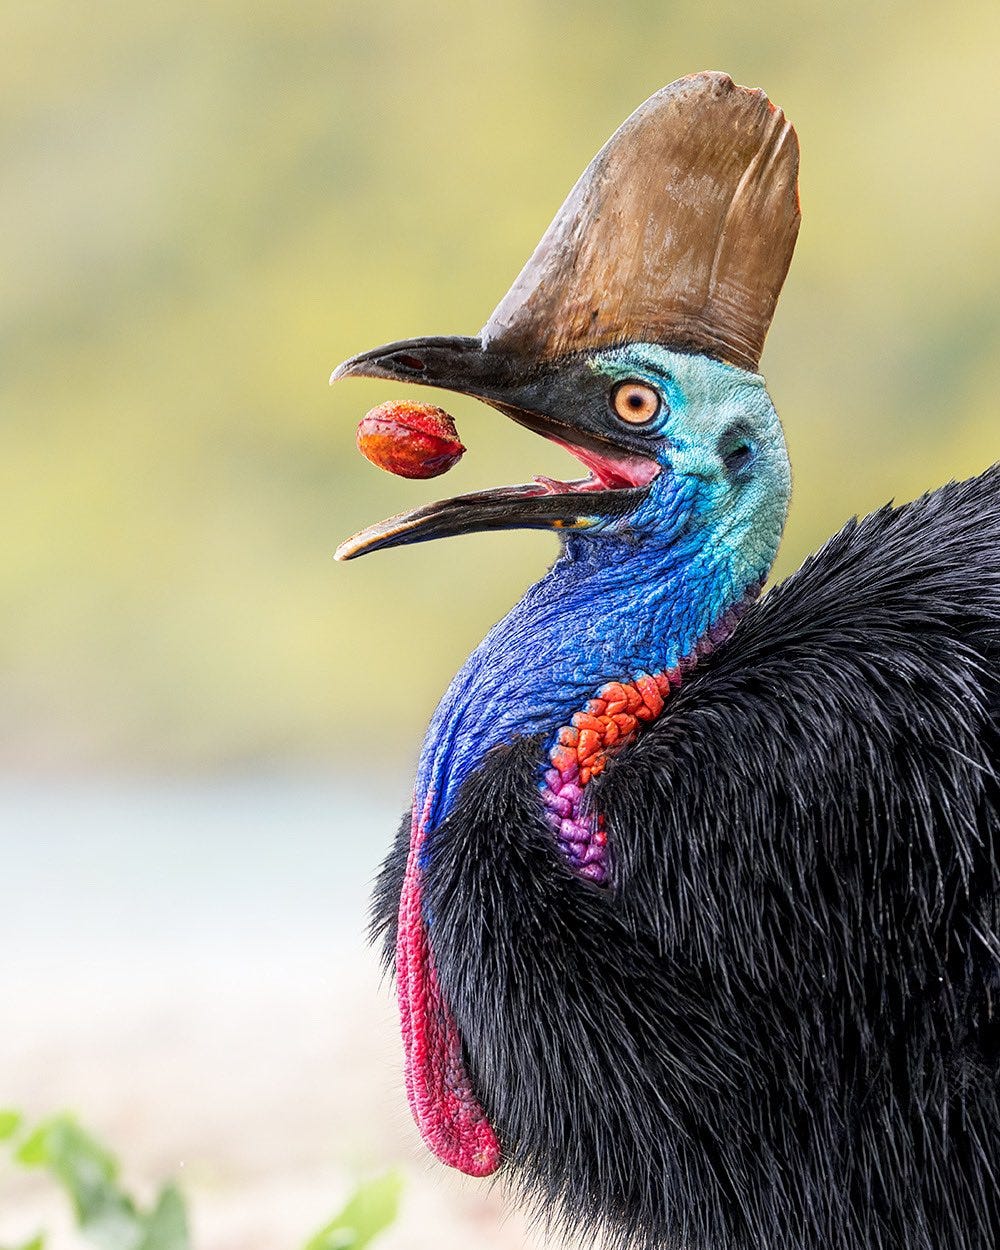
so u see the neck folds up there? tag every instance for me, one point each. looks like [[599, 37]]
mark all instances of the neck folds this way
[[582, 748]]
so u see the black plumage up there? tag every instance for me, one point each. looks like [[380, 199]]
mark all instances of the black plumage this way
[[778, 1028]]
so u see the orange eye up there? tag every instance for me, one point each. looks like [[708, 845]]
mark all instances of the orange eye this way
[[635, 402]]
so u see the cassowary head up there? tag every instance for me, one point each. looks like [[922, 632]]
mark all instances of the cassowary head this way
[[632, 337]]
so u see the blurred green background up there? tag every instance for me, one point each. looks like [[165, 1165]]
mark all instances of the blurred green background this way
[[205, 206], [207, 726]]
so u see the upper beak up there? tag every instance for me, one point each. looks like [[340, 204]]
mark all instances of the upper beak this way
[[453, 362], [554, 399]]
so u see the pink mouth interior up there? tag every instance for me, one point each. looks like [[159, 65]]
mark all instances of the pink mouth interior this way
[[606, 472], [450, 1120]]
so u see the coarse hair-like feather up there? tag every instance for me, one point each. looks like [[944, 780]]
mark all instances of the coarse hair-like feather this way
[[778, 1029]]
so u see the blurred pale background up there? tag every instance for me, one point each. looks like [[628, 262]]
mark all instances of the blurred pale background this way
[[207, 727]]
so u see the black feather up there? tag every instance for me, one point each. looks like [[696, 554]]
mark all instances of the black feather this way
[[778, 1029]]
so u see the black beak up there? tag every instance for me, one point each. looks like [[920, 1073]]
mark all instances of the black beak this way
[[453, 362], [563, 400]]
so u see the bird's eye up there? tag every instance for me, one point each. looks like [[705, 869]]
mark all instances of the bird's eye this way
[[635, 402]]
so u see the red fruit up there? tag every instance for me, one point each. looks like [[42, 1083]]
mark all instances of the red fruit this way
[[410, 440]]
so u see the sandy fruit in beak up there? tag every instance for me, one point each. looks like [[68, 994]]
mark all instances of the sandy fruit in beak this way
[[410, 440]]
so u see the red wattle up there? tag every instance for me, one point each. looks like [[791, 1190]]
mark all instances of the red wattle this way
[[450, 1120]]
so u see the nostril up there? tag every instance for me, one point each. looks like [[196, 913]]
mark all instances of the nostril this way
[[413, 364]]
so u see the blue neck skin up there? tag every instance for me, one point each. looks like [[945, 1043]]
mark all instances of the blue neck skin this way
[[606, 610], [630, 596]]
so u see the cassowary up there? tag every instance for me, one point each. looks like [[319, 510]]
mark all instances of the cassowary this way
[[694, 920]]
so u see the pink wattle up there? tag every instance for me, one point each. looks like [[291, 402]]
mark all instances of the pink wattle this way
[[450, 1120]]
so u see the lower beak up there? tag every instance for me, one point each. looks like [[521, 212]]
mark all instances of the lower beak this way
[[538, 396]]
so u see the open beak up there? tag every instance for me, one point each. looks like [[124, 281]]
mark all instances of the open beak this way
[[563, 400]]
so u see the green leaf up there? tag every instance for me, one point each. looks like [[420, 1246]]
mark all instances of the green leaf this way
[[89, 1174], [36, 1243], [104, 1211], [166, 1226], [10, 1122], [371, 1209]]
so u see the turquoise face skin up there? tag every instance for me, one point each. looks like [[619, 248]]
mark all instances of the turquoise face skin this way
[[737, 500], [632, 594]]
